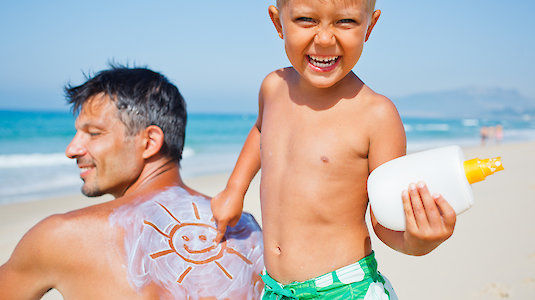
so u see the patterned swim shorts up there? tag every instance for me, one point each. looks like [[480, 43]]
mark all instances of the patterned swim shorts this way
[[360, 280]]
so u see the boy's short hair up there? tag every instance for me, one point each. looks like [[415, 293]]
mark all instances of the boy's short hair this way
[[371, 4]]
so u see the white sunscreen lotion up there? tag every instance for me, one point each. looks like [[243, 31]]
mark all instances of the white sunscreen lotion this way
[[444, 170]]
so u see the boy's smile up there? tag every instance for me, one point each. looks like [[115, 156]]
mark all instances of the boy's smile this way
[[323, 63], [323, 39]]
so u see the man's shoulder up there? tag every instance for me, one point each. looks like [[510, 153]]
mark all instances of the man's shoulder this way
[[37, 259], [49, 242], [75, 223]]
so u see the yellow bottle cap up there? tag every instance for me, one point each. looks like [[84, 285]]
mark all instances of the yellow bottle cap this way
[[477, 169]]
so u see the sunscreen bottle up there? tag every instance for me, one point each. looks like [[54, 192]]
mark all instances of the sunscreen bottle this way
[[444, 170]]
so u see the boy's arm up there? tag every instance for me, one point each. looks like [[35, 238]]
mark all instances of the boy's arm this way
[[430, 220], [227, 206]]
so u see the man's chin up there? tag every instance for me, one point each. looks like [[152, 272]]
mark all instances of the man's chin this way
[[88, 192]]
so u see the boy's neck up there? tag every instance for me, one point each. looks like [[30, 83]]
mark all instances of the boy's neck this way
[[346, 88]]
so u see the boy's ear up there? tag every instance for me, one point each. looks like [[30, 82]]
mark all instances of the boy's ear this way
[[154, 139], [375, 16], [274, 14]]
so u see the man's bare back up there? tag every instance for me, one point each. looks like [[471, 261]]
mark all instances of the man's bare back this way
[[168, 240], [124, 249], [82, 251]]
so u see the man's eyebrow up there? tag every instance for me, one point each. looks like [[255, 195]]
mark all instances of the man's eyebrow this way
[[87, 125]]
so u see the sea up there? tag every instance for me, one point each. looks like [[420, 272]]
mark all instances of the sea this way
[[32, 144]]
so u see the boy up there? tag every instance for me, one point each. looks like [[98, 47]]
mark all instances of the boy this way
[[320, 131]]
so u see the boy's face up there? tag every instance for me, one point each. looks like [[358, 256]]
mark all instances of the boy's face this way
[[324, 38]]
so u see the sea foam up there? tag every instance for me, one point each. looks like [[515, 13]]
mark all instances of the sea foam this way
[[34, 160]]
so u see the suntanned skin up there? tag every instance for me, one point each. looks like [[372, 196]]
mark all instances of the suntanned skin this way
[[318, 136], [80, 253], [313, 186]]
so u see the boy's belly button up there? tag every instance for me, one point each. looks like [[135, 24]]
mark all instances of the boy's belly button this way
[[276, 250]]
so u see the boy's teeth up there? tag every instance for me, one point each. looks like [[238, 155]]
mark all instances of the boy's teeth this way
[[323, 58], [323, 61]]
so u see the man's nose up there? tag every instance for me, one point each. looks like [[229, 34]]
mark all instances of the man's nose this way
[[325, 37], [75, 148]]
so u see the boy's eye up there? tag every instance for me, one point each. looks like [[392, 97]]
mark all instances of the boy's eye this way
[[305, 20], [347, 21]]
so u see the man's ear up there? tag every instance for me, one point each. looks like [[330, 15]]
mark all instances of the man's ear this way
[[375, 16], [154, 139], [274, 14]]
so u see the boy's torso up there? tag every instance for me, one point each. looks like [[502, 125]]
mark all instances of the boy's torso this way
[[313, 189]]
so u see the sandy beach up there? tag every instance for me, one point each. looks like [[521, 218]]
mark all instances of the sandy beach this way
[[491, 255]]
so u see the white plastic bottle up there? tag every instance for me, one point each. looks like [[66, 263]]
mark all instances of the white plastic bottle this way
[[444, 170]]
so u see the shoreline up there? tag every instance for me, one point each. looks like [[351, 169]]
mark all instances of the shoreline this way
[[491, 254]]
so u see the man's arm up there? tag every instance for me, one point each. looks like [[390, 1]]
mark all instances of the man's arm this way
[[430, 220], [27, 273]]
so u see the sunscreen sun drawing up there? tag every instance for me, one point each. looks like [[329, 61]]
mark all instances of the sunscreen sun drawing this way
[[194, 243], [169, 244]]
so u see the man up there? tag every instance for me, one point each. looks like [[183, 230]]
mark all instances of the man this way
[[155, 240]]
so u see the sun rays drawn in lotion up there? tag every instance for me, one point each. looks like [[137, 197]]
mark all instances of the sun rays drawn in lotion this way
[[193, 242], [169, 241]]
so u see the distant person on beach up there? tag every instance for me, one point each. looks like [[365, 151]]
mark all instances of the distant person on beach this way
[[320, 132], [484, 133], [498, 133], [156, 239]]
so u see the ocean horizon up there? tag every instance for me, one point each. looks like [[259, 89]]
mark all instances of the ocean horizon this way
[[32, 144]]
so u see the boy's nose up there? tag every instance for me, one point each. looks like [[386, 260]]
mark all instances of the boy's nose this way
[[324, 37], [75, 148]]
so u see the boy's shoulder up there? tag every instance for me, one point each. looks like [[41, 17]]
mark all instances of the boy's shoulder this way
[[279, 76], [376, 103], [275, 83]]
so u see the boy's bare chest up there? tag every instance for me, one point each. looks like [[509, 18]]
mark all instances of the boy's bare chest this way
[[323, 139]]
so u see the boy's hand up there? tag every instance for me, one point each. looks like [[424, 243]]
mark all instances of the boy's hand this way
[[430, 220], [226, 208]]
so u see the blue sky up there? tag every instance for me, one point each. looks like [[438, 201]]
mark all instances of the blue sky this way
[[217, 52]]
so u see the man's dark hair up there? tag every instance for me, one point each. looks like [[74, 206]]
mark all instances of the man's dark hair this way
[[143, 98]]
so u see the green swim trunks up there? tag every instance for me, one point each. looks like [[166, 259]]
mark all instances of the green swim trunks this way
[[360, 280]]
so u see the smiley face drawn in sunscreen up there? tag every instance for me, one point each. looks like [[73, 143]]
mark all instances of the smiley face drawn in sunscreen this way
[[169, 241], [194, 243]]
